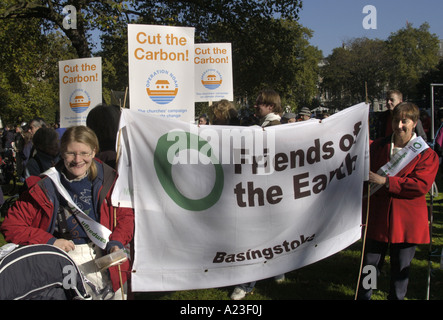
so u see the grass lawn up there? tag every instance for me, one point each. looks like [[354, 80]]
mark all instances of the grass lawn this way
[[334, 278]]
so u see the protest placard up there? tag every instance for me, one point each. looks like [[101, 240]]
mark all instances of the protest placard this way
[[161, 71], [213, 72]]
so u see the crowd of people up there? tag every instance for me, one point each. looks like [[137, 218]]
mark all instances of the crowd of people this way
[[247, 118], [84, 160], [18, 151]]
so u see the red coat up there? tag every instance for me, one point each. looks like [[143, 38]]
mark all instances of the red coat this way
[[400, 214], [31, 220]]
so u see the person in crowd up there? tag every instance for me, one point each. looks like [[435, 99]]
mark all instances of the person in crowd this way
[[46, 144], [427, 123], [247, 116], [288, 117], [19, 144], [398, 214], [203, 119], [305, 114], [2, 198], [27, 145], [383, 126], [268, 107], [8, 140], [8, 155], [438, 140], [104, 121], [36, 124], [223, 112], [42, 216]]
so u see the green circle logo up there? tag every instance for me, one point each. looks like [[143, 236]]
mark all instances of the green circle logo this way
[[417, 145], [163, 168]]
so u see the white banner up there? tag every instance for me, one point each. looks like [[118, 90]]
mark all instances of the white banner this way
[[219, 205], [80, 89], [213, 72], [161, 71]]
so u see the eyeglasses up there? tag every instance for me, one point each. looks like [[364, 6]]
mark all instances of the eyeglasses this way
[[72, 155]]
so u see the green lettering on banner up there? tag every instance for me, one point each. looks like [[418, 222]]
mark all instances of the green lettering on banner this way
[[163, 168]]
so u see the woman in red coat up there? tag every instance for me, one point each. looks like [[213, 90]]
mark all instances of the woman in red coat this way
[[42, 216], [398, 213]]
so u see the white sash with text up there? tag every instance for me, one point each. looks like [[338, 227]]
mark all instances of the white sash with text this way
[[400, 160], [98, 233]]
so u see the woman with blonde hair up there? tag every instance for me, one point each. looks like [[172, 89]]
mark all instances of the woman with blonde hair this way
[[44, 213]]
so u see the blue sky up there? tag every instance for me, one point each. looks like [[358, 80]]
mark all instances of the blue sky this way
[[336, 21]]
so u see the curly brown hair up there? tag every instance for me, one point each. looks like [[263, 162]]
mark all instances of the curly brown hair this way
[[222, 112]]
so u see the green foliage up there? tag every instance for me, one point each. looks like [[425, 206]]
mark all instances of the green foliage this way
[[29, 77], [434, 76], [269, 53], [114, 62], [347, 70], [398, 62], [413, 52], [262, 44]]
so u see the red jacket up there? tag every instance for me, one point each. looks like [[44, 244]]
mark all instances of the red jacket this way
[[400, 214], [31, 220]]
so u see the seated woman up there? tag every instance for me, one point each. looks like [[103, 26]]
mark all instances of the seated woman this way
[[43, 216], [398, 213]]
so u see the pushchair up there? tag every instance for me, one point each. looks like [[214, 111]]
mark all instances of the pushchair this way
[[40, 272]]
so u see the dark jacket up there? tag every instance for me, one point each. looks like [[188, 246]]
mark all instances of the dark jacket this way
[[39, 163]]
